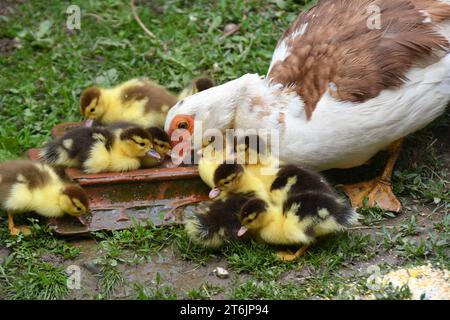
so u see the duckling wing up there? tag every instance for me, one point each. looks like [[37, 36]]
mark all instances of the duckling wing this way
[[33, 174]]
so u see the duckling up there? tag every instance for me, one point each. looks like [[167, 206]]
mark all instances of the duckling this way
[[130, 145], [33, 186], [196, 85], [160, 142], [96, 149], [235, 178], [139, 101], [218, 223], [162, 146], [300, 221]]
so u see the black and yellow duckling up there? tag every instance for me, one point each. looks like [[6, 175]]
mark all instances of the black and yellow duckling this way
[[299, 221], [33, 186], [139, 101], [76, 146], [237, 179], [96, 149], [218, 223], [291, 180]]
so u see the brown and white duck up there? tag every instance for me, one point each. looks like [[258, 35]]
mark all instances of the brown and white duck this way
[[348, 79]]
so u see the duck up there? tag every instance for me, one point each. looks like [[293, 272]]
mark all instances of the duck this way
[[347, 79], [214, 225], [139, 100], [96, 149], [35, 186], [299, 221]]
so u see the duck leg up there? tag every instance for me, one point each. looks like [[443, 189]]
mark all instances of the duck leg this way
[[12, 229], [291, 256], [378, 191]]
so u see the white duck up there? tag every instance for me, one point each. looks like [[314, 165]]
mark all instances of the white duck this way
[[348, 78]]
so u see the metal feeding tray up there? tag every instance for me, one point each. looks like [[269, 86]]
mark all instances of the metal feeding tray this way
[[120, 200]]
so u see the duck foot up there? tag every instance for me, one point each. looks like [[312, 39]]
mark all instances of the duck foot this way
[[291, 256], [378, 192]]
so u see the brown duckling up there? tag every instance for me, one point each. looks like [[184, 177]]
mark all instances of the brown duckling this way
[[33, 186], [139, 101]]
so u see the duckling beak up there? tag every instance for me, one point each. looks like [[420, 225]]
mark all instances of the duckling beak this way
[[242, 231], [89, 122], [152, 153], [214, 193], [85, 219]]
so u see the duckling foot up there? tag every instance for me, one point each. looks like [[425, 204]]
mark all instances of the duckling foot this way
[[181, 203], [291, 256], [15, 231], [378, 192]]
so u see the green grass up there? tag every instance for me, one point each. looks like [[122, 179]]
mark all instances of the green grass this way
[[40, 86]]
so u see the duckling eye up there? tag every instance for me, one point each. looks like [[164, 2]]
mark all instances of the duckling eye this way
[[142, 144], [92, 110], [183, 125]]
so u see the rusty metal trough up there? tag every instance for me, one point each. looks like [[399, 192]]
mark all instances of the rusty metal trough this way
[[120, 200]]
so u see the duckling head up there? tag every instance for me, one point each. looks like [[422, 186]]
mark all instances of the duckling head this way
[[227, 177], [74, 201], [91, 105], [161, 141], [137, 142], [252, 215]]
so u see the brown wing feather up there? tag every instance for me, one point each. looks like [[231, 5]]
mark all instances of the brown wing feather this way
[[338, 47]]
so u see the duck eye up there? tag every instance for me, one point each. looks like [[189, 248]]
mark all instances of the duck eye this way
[[142, 144], [92, 109], [183, 125]]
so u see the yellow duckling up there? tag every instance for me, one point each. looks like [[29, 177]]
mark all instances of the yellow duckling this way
[[33, 186], [301, 219], [160, 141], [139, 101]]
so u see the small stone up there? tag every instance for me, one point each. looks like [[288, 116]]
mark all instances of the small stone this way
[[230, 28], [221, 273], [92, 267]]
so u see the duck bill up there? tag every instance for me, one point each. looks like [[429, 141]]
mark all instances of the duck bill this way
[[89, 122], [152, 153], [214, 193], [242, 231]]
